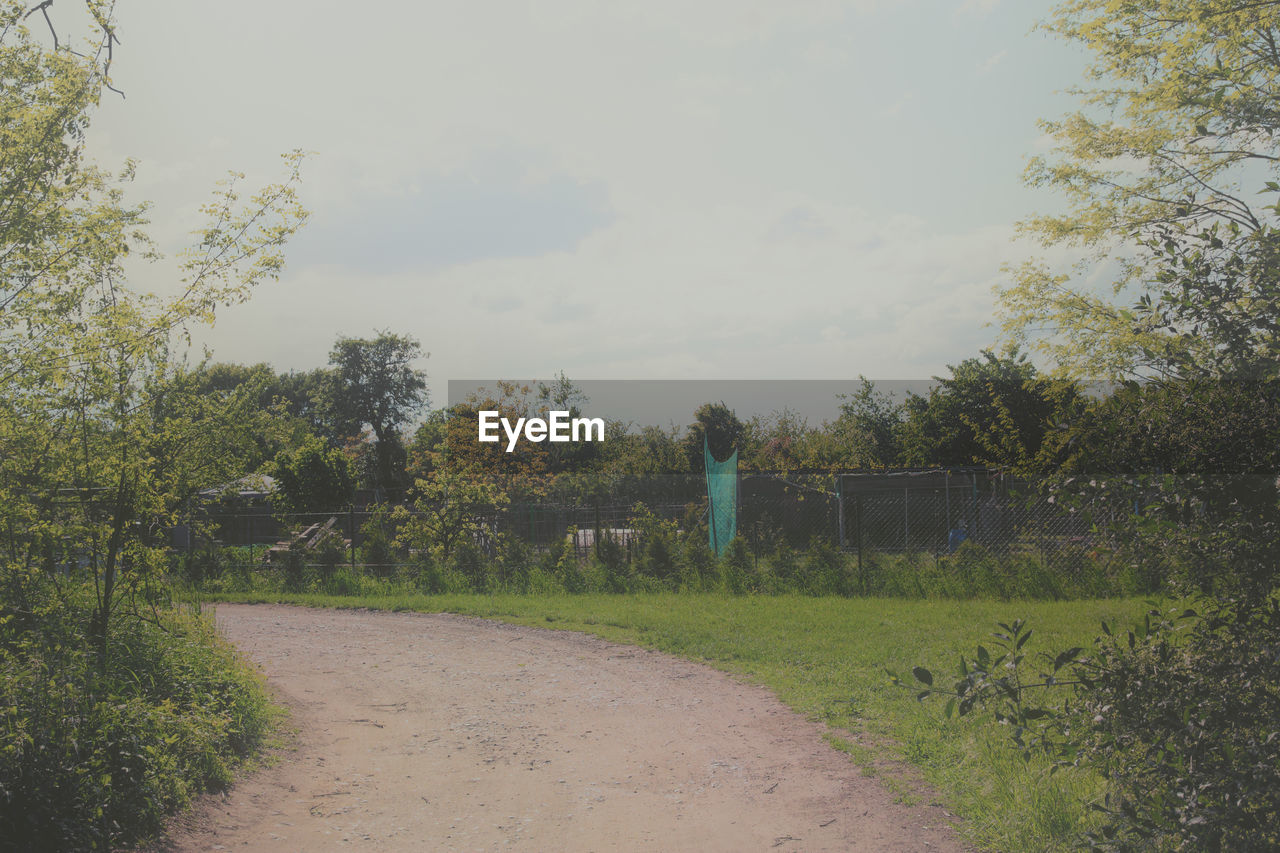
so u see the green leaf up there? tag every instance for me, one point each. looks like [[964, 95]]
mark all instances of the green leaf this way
[[923, 675], [1065, 657]]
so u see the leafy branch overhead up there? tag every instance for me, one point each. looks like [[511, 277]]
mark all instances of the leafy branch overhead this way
[[1173, 152]]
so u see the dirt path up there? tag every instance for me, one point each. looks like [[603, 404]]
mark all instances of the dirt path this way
[[439, 732]]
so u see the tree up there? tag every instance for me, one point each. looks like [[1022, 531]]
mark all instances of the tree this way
[[1176, 139], [1162, 169], [776, 442], [723, 431], [89, 452], [993, 410], [521, 474], [312, 477], [374, 384], [450, 508], [867, 432]]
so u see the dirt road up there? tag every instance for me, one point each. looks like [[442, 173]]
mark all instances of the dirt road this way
[[437, 732]]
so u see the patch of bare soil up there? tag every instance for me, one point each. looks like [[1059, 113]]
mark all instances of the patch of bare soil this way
[[440, 732]]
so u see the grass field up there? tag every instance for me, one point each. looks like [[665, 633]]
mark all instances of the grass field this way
[[826, 658]]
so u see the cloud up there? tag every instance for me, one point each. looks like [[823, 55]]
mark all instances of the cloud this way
[[433, 221], [991, 62], [665, 189], [977, 8], [718, 291]]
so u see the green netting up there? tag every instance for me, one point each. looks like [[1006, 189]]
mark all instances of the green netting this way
[[722, 498]]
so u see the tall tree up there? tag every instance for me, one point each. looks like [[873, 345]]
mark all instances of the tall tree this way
[[89, 450], [992, 410], [375, 384]]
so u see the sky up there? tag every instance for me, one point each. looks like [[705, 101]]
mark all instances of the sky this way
[[660, 190]]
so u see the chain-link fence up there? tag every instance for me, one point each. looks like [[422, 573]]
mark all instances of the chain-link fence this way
[[933, 513]]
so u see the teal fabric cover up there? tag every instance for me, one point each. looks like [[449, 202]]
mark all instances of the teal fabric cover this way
[[722, 499]]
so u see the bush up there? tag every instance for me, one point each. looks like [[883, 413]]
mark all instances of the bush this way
[[1186, 730], [328, 554], [515, 558], [698, 562], [204, 563], [92, 759], [469, 562], [295, 569], [568, 568], [378, 549], [657, 545], [1180, 715], [825, 569], [428, 576], [736, 570]]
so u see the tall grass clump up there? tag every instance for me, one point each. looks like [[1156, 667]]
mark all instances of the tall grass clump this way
[[94, 754]]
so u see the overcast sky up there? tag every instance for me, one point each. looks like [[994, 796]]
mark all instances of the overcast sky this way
[[658, 190]]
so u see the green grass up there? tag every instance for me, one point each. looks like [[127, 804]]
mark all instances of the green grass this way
[[826, 658]]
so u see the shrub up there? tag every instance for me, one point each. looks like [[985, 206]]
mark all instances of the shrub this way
[[1180, 714], [697, 562], [91, 759], [736, 571], [204, 563], [378, 549], [295, 570], [469, 562], [657, 545], [825, 569], [568, 568], [328, 554], [786, 567]]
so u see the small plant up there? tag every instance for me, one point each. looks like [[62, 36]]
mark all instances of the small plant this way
[[294, 568], [328, 554], [826, 570], [657, 544], [1179, 713], [378, 549], [736, 571], [697, 563], [569, 568], [468, 561]]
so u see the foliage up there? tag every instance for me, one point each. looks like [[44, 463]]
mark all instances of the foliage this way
[[449, 509], [378, 549], [1190, 765], [658, 546], [723, 431], [995, 410], [868, 429], [92, 759], [1175, 138], [115, 707], [1198, 457], [373, 383], [312, 477], [736, 569], [101, 442], [520, 474]]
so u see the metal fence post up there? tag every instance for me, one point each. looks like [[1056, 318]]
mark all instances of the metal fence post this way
[[857, 523], [840, 507], [906, 520]]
